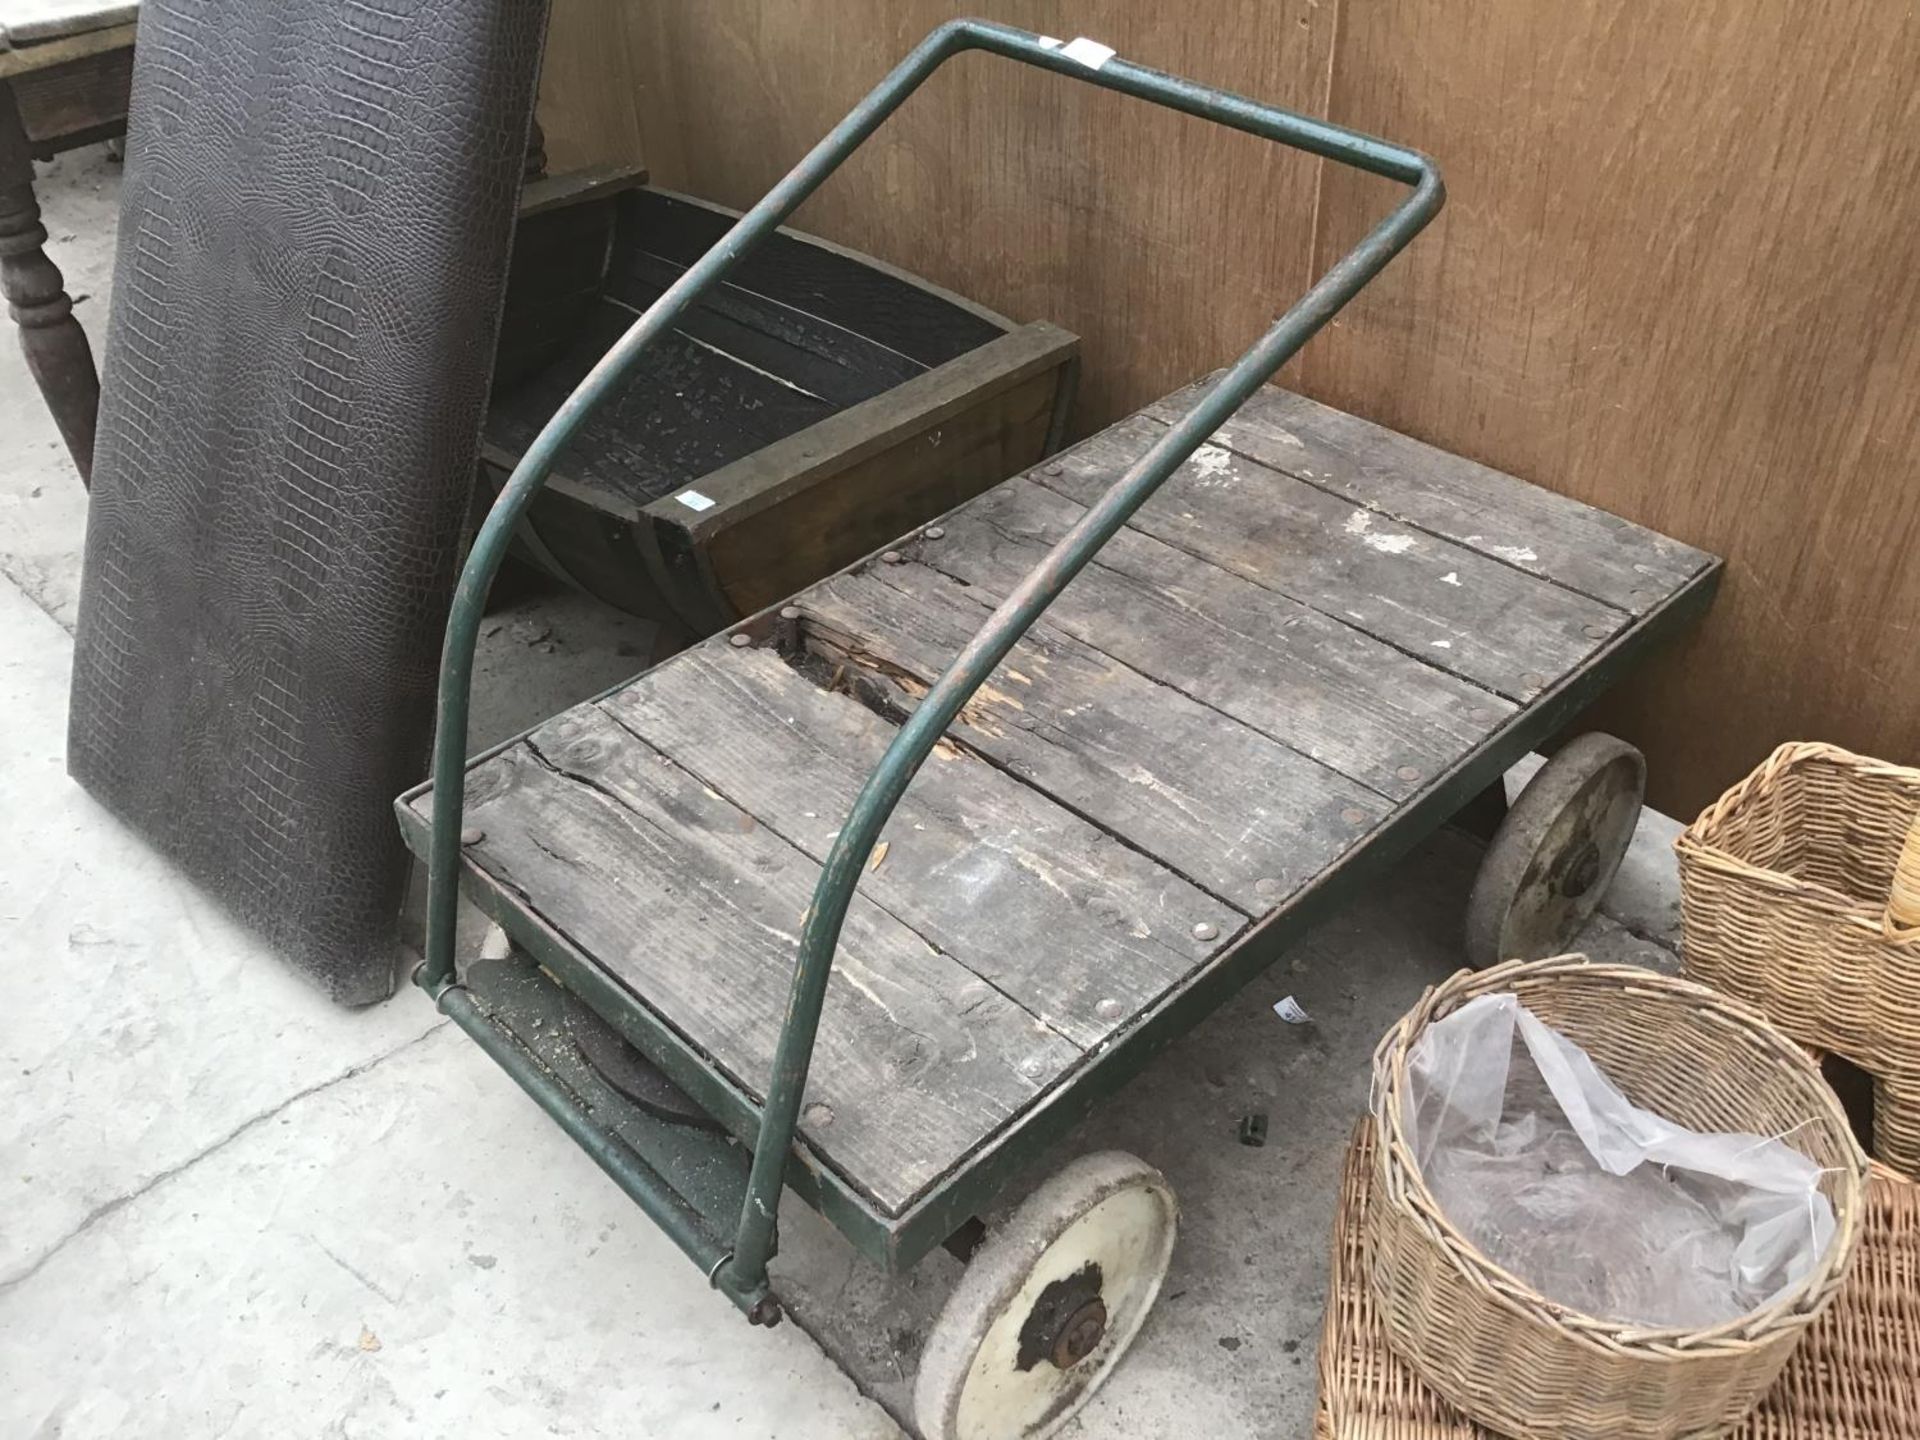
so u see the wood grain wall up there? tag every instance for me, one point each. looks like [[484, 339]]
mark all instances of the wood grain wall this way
[[1165, 243], [589, 104], [1678, 275]]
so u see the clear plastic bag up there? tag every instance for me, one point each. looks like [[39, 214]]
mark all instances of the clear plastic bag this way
[[1540, 1161]]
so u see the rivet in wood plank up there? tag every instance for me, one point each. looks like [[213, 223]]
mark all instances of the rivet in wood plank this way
[[1598, 632], [936, 532], [1533, 680], [472, 835], [1033, 1066], [1408, 773], [892, 557], [740, 640], [1484, 714], [819, 1114], [791, 612], [1354, 815], [1055, 468], [1268, 888], [1204, 931], [1109, 1009]]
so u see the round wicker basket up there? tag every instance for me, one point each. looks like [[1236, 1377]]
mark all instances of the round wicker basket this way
[[1508, 1356]]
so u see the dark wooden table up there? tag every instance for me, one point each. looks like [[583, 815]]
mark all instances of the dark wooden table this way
[[65, 72]]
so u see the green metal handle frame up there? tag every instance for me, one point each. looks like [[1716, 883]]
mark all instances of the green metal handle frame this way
[[742, 1274]]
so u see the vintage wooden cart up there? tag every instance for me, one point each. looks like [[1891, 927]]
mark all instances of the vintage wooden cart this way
[[1293, 644], [808, 407]]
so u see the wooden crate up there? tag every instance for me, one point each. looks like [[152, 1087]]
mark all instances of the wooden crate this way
[[816, 406]]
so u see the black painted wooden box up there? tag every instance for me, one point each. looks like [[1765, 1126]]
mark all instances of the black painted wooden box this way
[[814, 407]]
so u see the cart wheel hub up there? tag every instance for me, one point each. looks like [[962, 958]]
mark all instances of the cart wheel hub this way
[[1580, 870], [1083, 1331]]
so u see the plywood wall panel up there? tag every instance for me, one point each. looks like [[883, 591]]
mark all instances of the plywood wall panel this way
[[588, 107], [1166, 243], [1679, 277]]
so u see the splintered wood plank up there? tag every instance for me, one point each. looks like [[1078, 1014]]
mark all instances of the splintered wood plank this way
[[1453, 607], [1533, 529], [1321, 687], [696, 909], [1062, 918], [1238, 813]]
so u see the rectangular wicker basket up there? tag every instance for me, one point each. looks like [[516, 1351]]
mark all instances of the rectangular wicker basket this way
[[1800, 893]]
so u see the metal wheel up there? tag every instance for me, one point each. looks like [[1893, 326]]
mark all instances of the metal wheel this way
[[1049, 1303], [1556, 853]]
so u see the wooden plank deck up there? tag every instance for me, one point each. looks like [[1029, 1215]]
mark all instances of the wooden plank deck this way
[[1311, 625]]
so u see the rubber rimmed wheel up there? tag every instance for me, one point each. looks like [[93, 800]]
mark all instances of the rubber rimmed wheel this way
[[1557, 851], [1049, 1303]]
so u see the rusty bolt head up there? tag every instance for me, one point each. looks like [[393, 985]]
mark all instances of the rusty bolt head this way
[[1408, 773], [1205, 931], [892, 557], [1533, 680], [936, 532], [1354, 815], [1109, 1009], [739, 639], [791, 612], [1598, 632], [1080, 1334], [472, 835], [819, 1114]]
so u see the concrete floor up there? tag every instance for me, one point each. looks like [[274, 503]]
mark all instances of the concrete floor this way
[[232, 1209]]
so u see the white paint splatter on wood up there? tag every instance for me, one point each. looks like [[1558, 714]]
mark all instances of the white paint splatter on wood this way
[[1360, 524], [1212, 465], [1512, 554]]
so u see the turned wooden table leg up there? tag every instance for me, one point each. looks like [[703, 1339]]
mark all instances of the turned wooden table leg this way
[[56, 347]]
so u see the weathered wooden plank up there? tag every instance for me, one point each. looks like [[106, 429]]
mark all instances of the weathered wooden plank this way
[[696, 908], [1321, 687], [1238, 813], [1458, 610], [1065, 920], [831, 507], [1553, 536]]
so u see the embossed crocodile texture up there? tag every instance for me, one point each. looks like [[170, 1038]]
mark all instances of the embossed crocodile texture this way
[[313, 244]]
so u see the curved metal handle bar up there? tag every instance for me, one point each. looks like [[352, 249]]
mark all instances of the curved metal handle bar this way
[[745, 1273]]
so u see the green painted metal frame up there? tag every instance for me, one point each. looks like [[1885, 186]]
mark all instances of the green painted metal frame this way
[[742, 1272]]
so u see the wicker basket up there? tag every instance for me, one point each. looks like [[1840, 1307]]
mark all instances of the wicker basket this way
[[1515, 1361], [1800, 889], [1855, 1377]]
